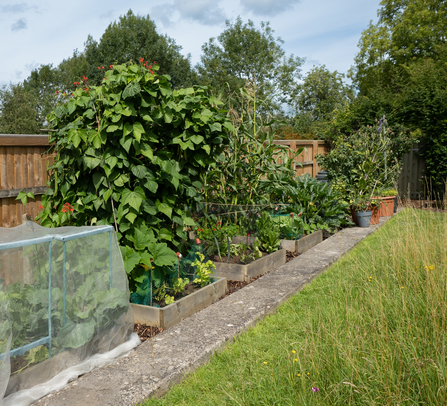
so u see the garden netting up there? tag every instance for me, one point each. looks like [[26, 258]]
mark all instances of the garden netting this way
[[64, 305]]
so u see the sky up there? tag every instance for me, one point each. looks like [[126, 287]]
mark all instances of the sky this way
[[325, 32]]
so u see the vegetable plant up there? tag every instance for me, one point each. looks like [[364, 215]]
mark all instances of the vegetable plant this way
[[203, 270], [268, 233], [131, 153]]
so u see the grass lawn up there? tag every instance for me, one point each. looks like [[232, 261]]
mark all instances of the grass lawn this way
[[369, 331]]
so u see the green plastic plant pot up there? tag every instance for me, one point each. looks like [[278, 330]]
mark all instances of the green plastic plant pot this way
[[364, 218]]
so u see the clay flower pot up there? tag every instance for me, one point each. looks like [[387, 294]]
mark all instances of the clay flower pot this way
[[386, 206]]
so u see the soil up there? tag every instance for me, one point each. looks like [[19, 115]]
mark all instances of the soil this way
[[236, 259], [147, 332]]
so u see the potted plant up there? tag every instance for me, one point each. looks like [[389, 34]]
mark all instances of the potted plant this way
[[388, 202], [361, 210]]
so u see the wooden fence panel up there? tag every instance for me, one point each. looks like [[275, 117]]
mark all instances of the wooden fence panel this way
[[22, 167], [411, 175], [307, 157]]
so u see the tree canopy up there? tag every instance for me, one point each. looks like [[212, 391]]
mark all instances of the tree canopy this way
[[133, 37], [244, 53]]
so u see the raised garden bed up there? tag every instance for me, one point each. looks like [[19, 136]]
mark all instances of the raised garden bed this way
[[299, 246], [165, 317], [261, 266]]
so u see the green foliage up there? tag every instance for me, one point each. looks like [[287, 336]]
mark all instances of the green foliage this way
[[321, 93], [244, 53], [203, 270], [133, 37], [23, 197], [92, 306], [18, 114], [252, 169], [131, 152], [317, 206], [267, 233], [406, 31], [366, 161]]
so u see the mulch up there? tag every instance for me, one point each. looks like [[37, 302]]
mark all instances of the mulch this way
[[147, 332]]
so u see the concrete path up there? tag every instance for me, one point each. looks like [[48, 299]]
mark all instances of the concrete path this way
[[157, 364]]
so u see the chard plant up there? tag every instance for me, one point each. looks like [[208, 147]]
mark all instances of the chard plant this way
[[131, 153]]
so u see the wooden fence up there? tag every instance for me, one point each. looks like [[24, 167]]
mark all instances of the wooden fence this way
[[22, 167], [411, 175], [307, 162]]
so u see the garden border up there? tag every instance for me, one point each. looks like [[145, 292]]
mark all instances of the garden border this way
[[157, 364]]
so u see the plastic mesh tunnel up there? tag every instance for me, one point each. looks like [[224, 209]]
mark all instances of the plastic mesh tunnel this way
[[64, 297]]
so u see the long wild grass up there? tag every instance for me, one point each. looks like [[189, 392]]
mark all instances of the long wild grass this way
[[369, 331]]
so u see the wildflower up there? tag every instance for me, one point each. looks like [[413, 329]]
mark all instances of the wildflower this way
[[296, 360], [141, 60], [248, 234], [197, 241], [315, 389], [214, 229], [293, 352], [99, 67], [311, 203], [41, 207], [299, 375], [292, 215], [64, 210], [265, 362], [308, 373], [102, 67], [428, 268], [218, 223], [111, 66], [300, 214]]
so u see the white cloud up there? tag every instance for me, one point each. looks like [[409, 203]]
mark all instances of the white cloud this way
[[206, 12], [268, 8]]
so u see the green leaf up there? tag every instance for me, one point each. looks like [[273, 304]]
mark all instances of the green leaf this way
[[131, 217], [151, 185], [127, 129], [139, 171], [126, 143], [196, 139], [161, 254], [98, 178], [106, 195], [133, 198], [138, 130], [164, 208], [132, 89], [74, 335], [111, 161], [146, 150], [130, 258]]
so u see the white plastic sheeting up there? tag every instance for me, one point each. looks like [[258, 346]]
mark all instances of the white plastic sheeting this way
[[64, 307]]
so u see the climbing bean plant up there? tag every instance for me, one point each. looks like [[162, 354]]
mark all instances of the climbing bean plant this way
[[131, 153]]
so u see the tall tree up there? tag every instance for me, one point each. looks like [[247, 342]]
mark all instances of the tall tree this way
[[134, 37], [17, 111], [244, 53], [406, 30]]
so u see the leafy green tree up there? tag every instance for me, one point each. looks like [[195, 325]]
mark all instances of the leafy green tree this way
[[406, 30], [17, 111], [134, 37], [244, 53], [45, 85], [321, 94]]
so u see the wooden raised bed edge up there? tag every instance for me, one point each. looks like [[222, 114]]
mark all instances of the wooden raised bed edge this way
[[299, 246], [244, 273], [166, 317]]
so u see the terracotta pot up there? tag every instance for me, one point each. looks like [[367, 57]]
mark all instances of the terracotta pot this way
[[375, 216], [386, 206]]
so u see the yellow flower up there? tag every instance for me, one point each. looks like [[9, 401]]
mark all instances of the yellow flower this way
[[293, 352], [403, 287], [311, 203], [429, 267], [308, 373], [265, 362], [296, 360], [299, 375]]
